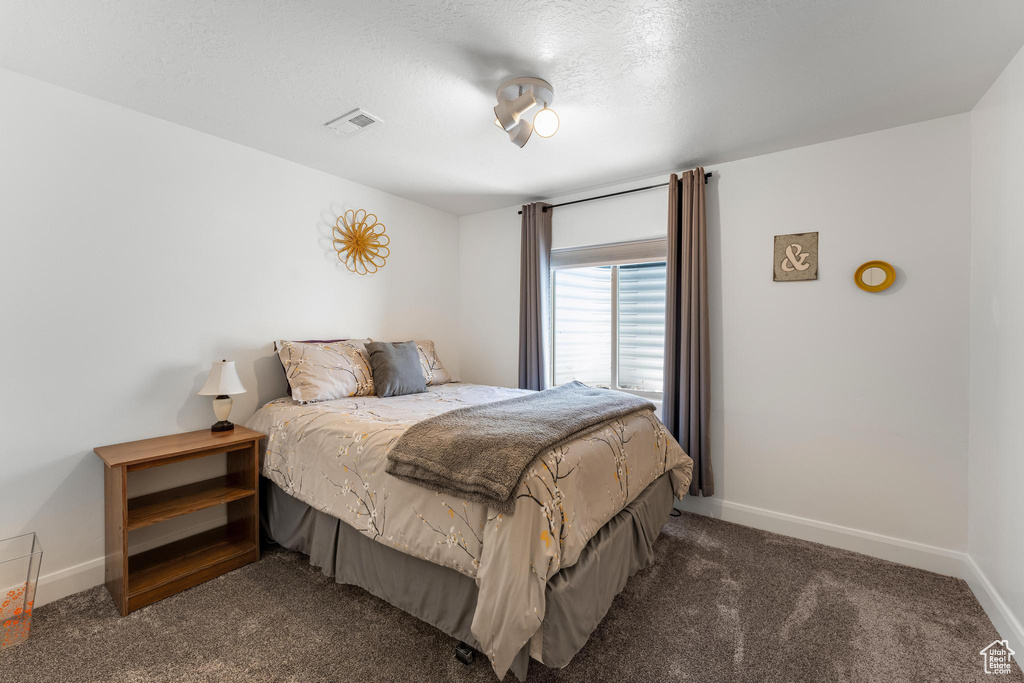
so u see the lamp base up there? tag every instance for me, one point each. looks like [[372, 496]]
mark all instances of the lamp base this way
[[222, 408]]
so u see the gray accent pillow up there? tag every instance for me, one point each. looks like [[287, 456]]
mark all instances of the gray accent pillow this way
[[396, 368]]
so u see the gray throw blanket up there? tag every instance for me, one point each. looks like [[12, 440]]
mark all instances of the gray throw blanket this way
[[481, 453]]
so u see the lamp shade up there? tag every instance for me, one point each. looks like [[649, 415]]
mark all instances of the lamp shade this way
[[520, 133], [223, 380], [508, 112]]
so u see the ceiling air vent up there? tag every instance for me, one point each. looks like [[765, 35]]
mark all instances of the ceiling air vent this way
[[353, 122]]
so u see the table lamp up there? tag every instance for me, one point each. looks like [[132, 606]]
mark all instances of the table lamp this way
[[222, 382]]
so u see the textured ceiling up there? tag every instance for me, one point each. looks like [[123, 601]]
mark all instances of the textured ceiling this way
[[641, 86]]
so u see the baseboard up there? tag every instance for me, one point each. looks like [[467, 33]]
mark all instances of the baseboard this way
[[911, 553], [995, 607], [70, 580]]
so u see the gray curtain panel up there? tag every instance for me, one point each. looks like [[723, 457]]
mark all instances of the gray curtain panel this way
[[535, 297], [687, 350]]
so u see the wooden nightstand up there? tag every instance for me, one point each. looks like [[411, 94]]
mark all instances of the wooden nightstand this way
[[138, 580]]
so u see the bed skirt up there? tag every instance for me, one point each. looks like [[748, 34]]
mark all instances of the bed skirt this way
[[577, 597]]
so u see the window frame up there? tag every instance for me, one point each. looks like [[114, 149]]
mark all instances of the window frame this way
[[614, 255]]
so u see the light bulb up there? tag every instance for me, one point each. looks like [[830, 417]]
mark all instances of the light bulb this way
[[545, 123]]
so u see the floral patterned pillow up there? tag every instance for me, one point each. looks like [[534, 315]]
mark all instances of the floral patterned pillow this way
[[433, 371], [322, 371]]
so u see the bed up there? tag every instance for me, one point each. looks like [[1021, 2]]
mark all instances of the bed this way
[[586, 515]]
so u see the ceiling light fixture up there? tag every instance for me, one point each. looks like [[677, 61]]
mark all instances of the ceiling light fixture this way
[[515, 99]]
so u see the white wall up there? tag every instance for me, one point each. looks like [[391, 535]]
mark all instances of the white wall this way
[[997, 351], [135, 252], [837, 414]]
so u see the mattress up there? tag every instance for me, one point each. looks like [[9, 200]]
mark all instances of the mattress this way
[[331, 456]]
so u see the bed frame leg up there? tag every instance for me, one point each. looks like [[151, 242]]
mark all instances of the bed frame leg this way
[[464, 653]]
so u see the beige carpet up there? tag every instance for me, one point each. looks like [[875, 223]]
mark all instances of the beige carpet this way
[[723, 603]]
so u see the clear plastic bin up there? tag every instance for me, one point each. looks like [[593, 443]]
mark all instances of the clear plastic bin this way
[[20, 558]]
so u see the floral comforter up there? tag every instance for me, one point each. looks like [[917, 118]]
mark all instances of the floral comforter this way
[[331, 456]]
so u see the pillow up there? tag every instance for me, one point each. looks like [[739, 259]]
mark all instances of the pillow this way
[[433, 371], [322, 371], [358, 343], [396, 368]]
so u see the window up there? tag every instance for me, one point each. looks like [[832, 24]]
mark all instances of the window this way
[[609, 318]]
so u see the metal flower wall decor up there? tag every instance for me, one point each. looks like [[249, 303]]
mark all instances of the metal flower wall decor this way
[[360, 242]]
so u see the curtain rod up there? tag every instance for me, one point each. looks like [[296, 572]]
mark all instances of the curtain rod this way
[[613, 194]]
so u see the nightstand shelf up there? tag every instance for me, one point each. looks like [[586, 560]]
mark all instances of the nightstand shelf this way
[[160, 572], [181, 500], [137, 580]]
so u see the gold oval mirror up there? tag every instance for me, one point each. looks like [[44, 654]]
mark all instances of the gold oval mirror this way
[[875, 276]]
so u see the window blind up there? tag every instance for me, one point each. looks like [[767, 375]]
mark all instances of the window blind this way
[[583, 325], [641, 326]]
